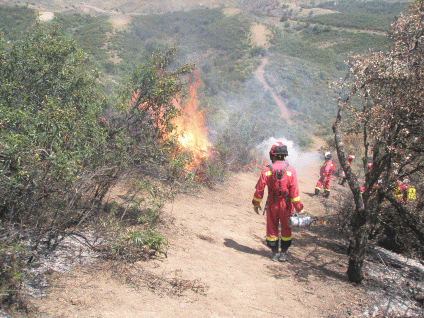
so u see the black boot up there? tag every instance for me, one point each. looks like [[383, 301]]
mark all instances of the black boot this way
[[326, 194], [284, 256], [316, 193], [275, 254]]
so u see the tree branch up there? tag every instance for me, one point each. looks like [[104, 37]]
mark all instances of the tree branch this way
[[408, 219], [350, 176]]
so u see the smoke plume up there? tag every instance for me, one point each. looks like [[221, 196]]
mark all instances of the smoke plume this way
[[296, 158]]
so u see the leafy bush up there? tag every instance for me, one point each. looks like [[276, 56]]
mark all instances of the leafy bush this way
[[13, 259], [149, 238], [49, 130], [59, 156], [135, 245]]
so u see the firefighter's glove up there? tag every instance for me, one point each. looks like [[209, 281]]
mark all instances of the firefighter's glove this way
[[256, 208], [301, 212]]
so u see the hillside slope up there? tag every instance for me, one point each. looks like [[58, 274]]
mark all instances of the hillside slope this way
[[218, 266]]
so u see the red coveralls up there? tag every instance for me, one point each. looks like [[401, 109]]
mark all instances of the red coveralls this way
[[277, 211], [349, 162], [362, 189], [326, 172]]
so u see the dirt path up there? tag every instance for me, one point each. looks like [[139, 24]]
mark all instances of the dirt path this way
[[260, 75], [218, 266], [260, 36]]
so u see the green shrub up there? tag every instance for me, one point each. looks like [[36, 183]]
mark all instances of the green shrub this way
[[135, 245], [49, 129], [13, 260]]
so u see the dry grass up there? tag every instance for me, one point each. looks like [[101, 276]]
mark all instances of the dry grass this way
[[171, 284]]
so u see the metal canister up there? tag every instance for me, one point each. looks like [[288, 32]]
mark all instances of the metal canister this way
[[299, 220]]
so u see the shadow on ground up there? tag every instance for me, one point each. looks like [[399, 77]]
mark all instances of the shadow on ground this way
[[246, 249]]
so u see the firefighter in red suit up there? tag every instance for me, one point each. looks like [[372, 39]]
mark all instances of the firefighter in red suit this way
[[366, 175], [326, 172], [349, 162], [408, 190], [283, 196]]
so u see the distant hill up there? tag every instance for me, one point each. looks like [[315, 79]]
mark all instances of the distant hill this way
[[306, 50]]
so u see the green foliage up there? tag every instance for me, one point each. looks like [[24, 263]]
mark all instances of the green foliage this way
[[304, 87], [249, 121], [373, 7], [225, 57], [354, 20], [16, 20], [346, 43], [49, 130], [90, 33], [221, 44], [293, 46], [233, 143], [143, 121], [13, 260], [11, 264], [135, 245], [392, 234], [151, 207], [216, 30], [59, 155], [149, 238]]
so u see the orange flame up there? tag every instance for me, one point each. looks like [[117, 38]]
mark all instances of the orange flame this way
[[190, 126]]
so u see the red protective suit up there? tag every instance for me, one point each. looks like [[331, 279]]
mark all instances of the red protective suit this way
[[362, 189], [349, 162], [281, 201], [326, 172]]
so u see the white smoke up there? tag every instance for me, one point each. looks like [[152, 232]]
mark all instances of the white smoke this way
[[296, 158]]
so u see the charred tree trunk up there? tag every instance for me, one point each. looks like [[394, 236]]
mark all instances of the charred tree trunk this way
[[360, 223], [361, 228]]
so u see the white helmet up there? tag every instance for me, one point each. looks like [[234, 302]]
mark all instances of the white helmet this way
[[327, 155]]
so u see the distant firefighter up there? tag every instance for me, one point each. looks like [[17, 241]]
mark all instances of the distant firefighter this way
[[408, 190], [326, 172], [349, 162], [369, 166]]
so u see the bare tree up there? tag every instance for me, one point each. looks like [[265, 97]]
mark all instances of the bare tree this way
[[381, 99]]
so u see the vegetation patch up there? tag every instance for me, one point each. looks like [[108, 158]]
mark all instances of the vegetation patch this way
[[353, 20]]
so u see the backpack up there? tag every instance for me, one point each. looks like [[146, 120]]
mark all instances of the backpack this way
[[279, 184]]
